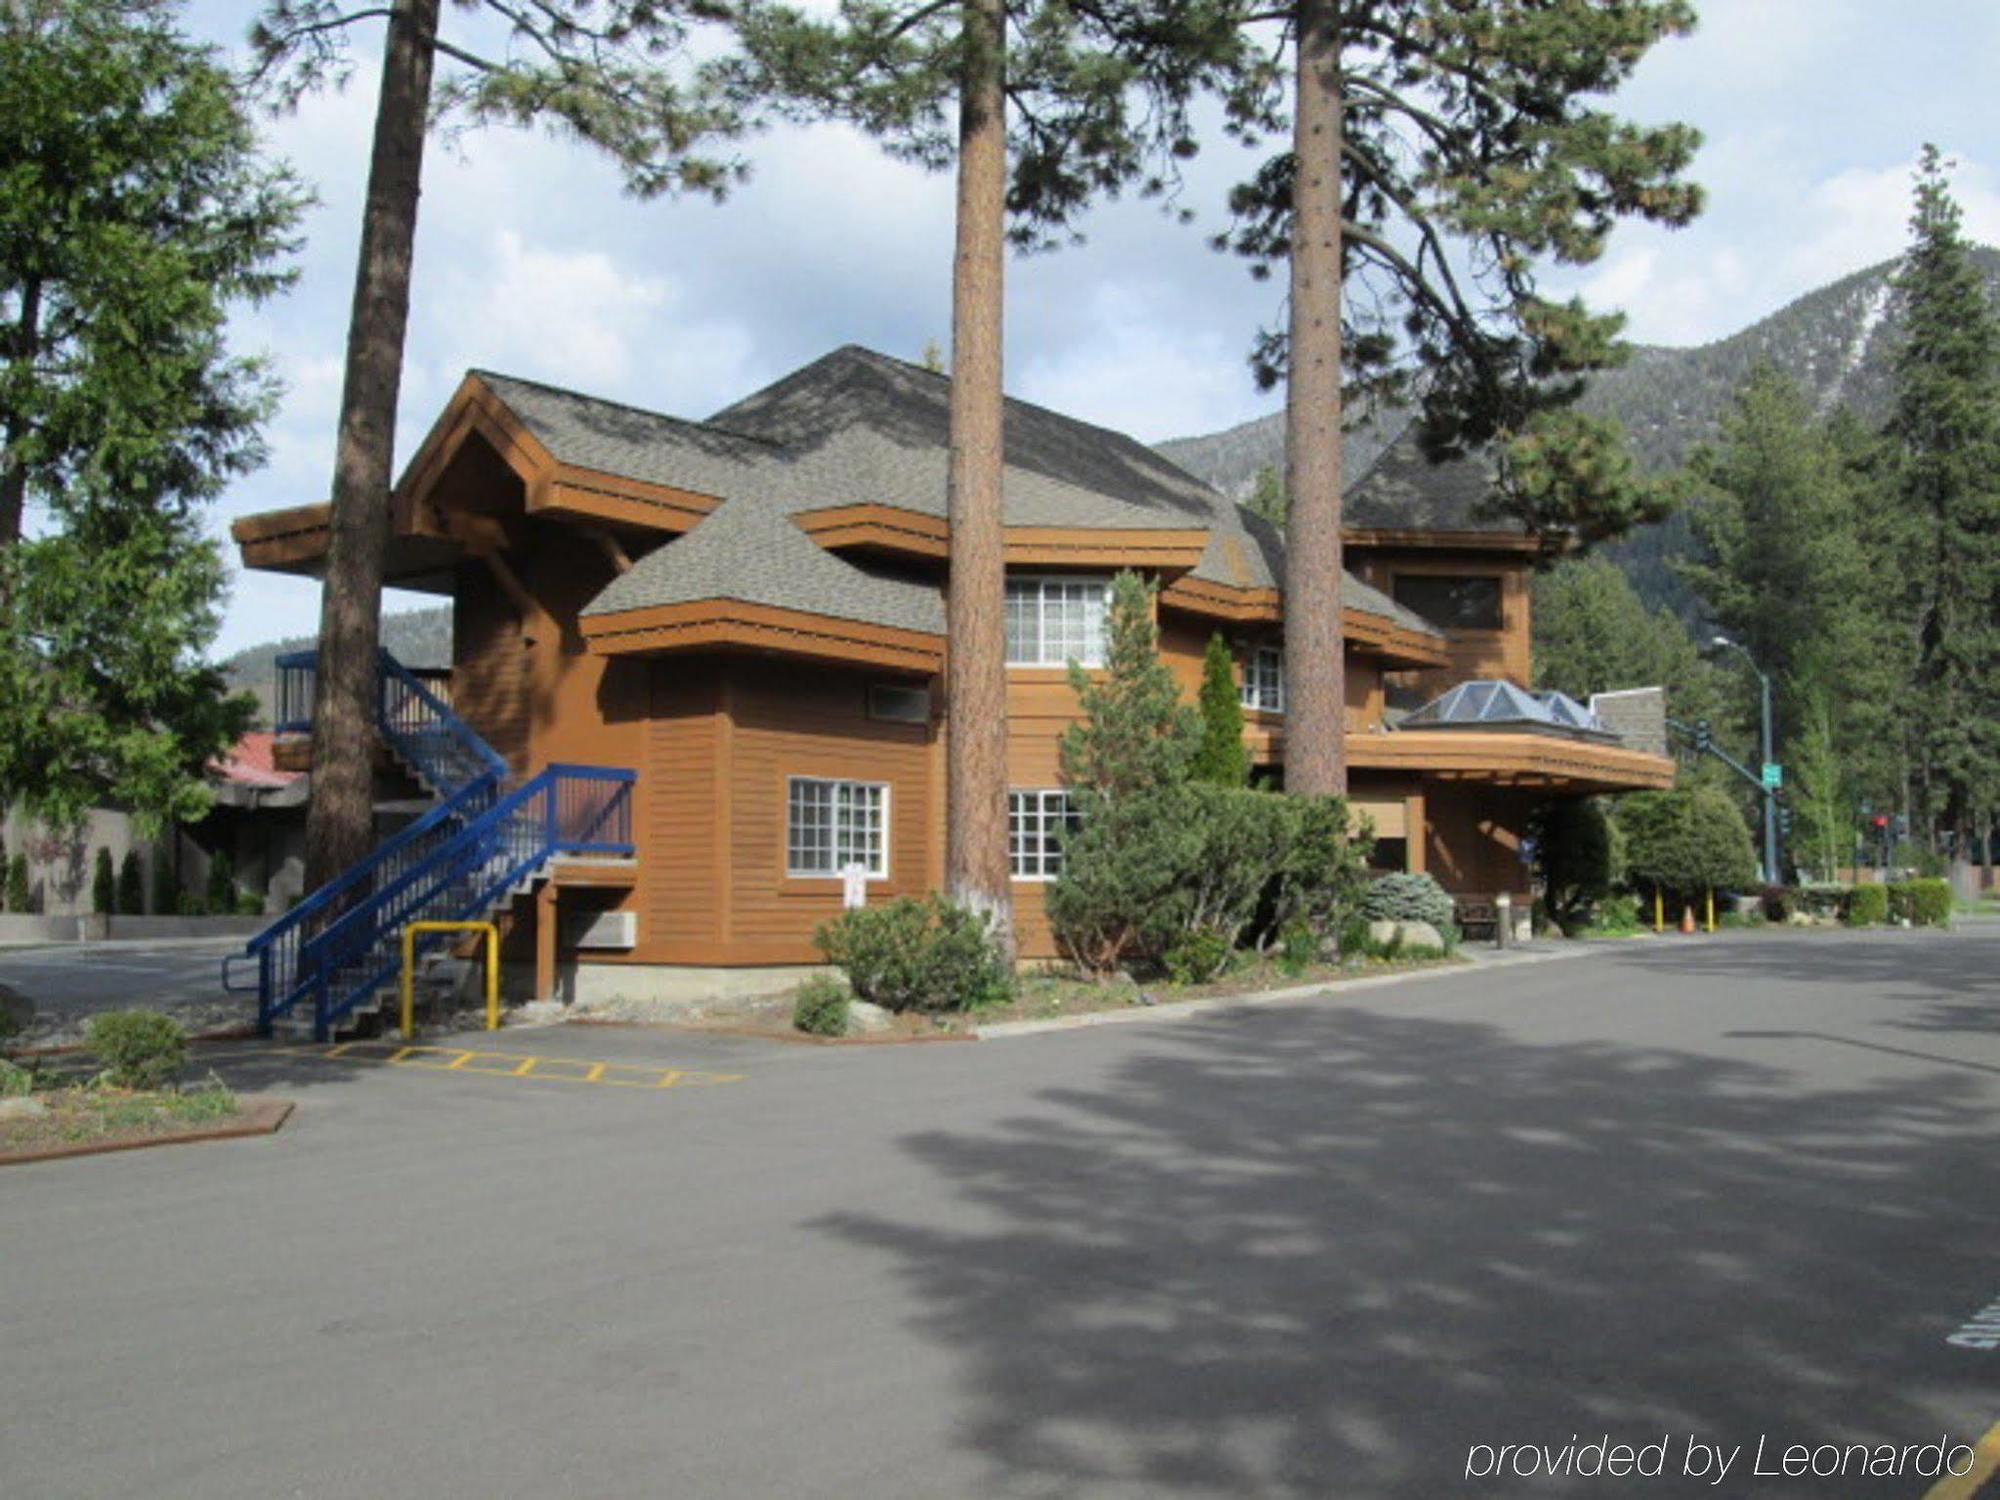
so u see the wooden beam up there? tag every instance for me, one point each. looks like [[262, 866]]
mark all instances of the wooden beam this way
[[545, 940]]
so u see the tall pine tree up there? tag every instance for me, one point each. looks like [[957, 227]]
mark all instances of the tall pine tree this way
[[1946, 433], [1440, 149], [600, 70], [1040, 106]]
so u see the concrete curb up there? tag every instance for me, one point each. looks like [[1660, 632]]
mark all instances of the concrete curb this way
[[1176, 1010]]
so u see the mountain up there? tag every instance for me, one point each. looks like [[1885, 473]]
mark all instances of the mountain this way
[[416, 638], [1838, 343]]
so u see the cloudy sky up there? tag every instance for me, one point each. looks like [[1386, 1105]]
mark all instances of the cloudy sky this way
[[530, 261]]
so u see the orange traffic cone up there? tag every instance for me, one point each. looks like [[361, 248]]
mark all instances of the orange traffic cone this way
[[1687, 919]]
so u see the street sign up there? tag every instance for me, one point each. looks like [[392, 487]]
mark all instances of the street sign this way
[[1774, 775]]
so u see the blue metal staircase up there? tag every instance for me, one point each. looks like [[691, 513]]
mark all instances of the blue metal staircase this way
[[333, 959]]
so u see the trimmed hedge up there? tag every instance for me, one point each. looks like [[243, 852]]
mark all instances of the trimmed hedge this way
[[1921, 903], [1867, 906]]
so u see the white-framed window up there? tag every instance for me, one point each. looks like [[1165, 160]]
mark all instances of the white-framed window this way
[[1264, 679], [1034, 821], [832, 824], [1055, 619]]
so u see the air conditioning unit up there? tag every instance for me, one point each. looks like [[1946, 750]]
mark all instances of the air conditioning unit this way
[[603, 929], [899, 704]]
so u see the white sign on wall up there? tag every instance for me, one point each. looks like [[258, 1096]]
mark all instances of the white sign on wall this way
[[854, 885]]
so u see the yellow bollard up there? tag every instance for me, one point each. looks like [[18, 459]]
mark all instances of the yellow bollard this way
[[1711, 911], [1659, 912], [492, 935]]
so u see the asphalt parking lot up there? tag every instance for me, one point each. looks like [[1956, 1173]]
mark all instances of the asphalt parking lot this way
[[70, 982], [1725, 1193]]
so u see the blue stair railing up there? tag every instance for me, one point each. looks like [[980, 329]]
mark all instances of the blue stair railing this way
[[327, 946], [576, 810]]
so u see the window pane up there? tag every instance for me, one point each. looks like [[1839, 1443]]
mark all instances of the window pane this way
[[832, 824], [1024, 620], [1471, 603], [809, 832]]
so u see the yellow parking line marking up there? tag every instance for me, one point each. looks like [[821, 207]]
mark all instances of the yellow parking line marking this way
[[434, 1059], [1985, 1459]]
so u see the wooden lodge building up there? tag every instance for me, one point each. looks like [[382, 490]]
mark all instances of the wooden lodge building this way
[[748, 613]]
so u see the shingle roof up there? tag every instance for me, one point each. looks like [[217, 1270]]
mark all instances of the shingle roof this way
[[1404, 491], [754, 554], [624, 440], [857, 427]]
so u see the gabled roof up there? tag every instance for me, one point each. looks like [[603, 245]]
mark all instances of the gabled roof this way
[[754, 554], [1404, 491], [593, 433], [857, 428]]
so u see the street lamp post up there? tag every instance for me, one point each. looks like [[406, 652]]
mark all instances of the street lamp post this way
[[1724, 643]]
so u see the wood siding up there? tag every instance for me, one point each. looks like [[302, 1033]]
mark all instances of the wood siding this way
[[1504, 653]]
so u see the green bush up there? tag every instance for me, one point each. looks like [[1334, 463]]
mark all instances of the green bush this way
[[191, 904], [15, 1081], [1685, 842], [1868, 905], [1822, 898], [19, 898], [166, 887], [1300, 946], [1142, 873], [1617, 916], [1197, 957], [139, 1049], [221, 885], [1413, 897], [1581, 856], [103, 884], [1921, 903], [249, 904], [908, 954], [821, 1006], [131, 885]]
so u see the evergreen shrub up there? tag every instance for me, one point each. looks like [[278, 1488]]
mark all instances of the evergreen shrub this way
[[140, 1049], [1413, 897], [820, 1006], [103, 884], [910, 954], [131, 886], [1581, 856]]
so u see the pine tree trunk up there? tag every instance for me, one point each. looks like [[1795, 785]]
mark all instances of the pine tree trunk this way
[[340, 821], [976, 672], [1315, 664]]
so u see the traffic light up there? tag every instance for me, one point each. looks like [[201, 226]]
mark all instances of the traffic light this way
[[1881, 822], [1702, 737], [1784, 820]]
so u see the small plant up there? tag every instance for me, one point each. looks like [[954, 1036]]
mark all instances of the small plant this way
[[131, 885], [1868, 905], [1299, 947], [1778, 902], [103, 884], [1617, 916], [15, 1081], [191, 904], [18, 896], [1197, 957], [930, 955], [1407, 898], [139, 1049], [821, 1006], [249, 904]]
